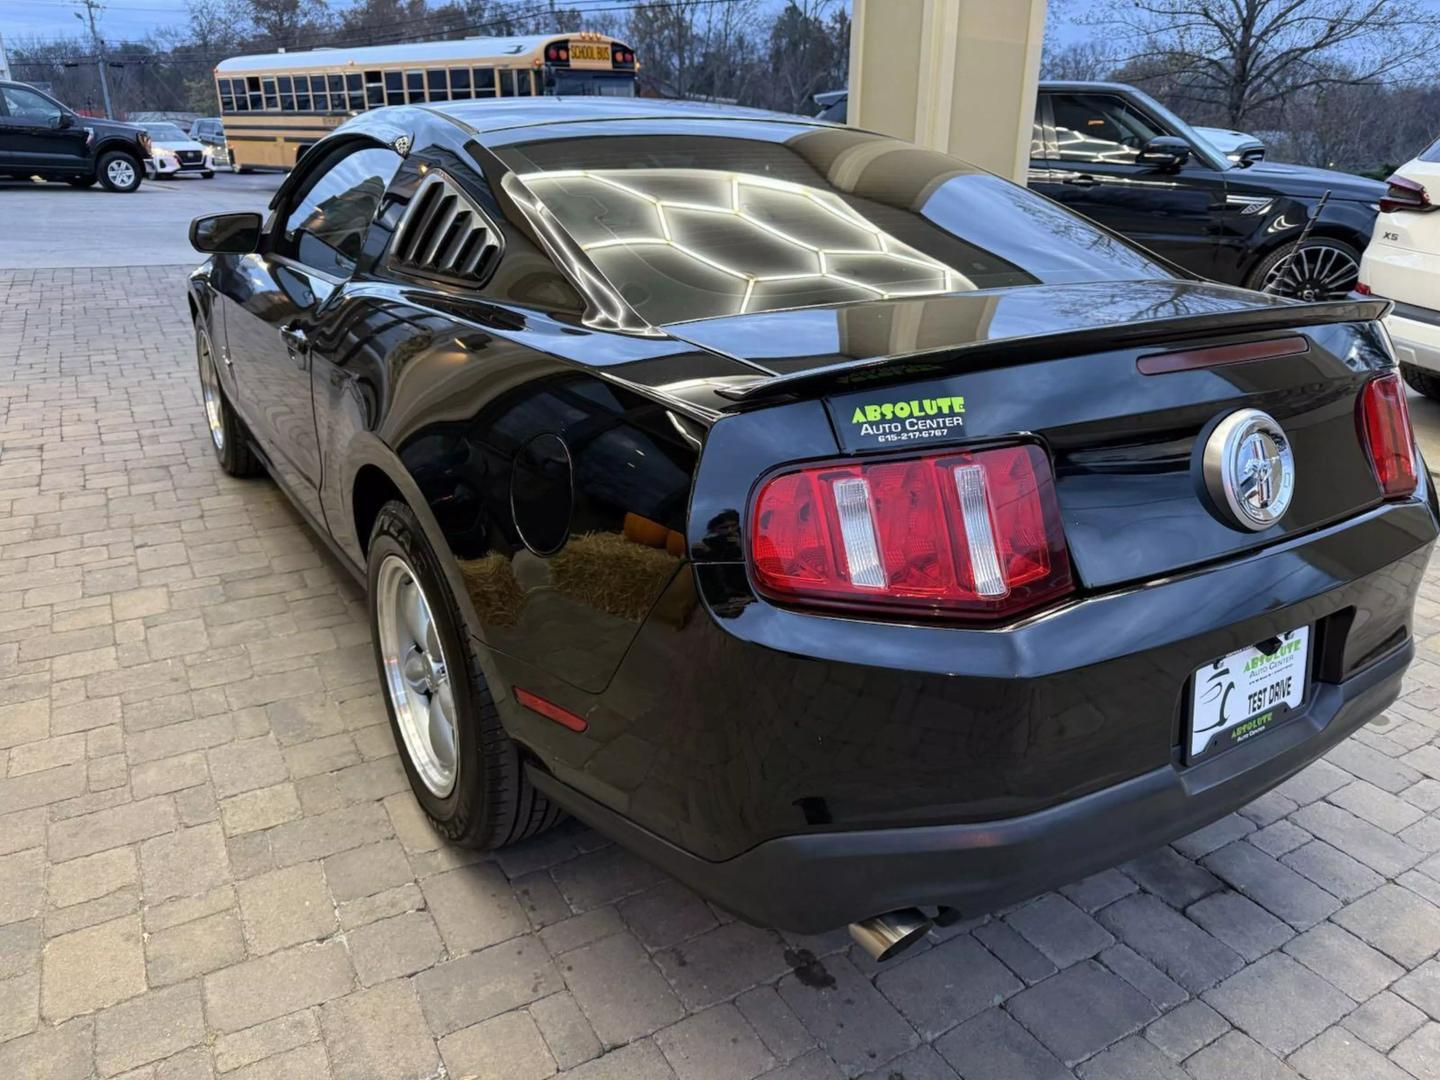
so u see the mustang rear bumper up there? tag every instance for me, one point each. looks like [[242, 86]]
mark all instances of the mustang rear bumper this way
[[814, 882]]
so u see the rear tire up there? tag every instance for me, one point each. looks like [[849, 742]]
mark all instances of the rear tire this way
[[472, 786], [1422, 381], [208, 174]]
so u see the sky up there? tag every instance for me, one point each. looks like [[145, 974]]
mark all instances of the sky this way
[[133, 20], [130, 20]]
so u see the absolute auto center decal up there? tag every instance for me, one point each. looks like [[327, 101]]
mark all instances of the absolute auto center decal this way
[[894, 421]]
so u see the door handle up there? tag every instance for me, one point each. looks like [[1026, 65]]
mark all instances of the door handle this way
[[295, 339], [297, 345], [1081, 180]]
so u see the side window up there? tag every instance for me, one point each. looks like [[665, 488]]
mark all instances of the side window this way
[[1433, 153], [325, 226], [28, 105], [394, 88], [1099, 128]]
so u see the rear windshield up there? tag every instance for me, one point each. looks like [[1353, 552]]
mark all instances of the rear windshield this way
[[773, 216]]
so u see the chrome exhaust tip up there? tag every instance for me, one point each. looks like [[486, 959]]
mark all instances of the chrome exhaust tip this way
[[884, 936]]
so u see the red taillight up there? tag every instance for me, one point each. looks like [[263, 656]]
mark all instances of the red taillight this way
[[957, 535], [1404, 194], [1362, 289], [564, 54], [1385, 422], [552, 53]]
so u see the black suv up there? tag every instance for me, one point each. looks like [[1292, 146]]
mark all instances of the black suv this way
[[41, 137], [1116, 155]]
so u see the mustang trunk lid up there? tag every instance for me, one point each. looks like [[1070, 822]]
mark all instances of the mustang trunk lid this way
[[1062, 364]]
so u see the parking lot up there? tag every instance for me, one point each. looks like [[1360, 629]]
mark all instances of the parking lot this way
[[211, 864]]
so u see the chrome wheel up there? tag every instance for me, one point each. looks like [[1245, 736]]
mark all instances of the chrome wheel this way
[[210, 390], [416, 675], [1318, 271], [120, 172]]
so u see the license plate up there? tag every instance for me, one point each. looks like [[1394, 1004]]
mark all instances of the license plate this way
[[1248, 692], [590, 52]]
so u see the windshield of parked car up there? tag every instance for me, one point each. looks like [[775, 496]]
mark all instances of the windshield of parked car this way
[[164, 132], [765, 216]]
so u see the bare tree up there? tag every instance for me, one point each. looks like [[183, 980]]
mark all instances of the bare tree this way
[[1243, 56], [1077, 60], [809, 52]]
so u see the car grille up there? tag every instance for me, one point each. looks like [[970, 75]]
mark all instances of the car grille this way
[[189, 157]]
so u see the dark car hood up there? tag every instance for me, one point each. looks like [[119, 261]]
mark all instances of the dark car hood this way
[[1281, 178], [787, 342]]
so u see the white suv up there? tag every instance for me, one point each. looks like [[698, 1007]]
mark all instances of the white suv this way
[[1402, 264]]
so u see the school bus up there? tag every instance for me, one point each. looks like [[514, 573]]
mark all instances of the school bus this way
[[276, 105]]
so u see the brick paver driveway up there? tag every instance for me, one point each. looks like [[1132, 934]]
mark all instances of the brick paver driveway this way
[[210, 863]]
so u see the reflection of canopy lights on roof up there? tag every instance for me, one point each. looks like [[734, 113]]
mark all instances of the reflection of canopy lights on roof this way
[[823, 240]]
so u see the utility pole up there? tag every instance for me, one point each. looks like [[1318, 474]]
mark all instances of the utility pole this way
[[91, 7]]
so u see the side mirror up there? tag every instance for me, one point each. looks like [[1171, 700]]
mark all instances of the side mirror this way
[[1251, 156], [64, 120], [234, 234], [1165, 152]]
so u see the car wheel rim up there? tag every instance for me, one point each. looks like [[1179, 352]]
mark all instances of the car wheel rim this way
[[121, 173], [210, 390], [417, 677], [1315, 272]]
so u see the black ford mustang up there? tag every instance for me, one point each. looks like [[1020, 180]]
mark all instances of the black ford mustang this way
[[862, 537]]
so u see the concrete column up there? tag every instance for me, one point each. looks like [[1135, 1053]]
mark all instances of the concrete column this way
[[952, 75]]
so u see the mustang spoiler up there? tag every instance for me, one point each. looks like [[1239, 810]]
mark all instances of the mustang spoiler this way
[[1050, 346]]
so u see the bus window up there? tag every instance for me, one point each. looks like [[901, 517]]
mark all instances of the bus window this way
[[522, 83], [459, 84], [355, 85], [484, 82], [272, 100], [317, 91], [435, 82], [337, 92], [287, 93], [227, 100], [394, 88], [374, 90], [302, 93], [252, 91]]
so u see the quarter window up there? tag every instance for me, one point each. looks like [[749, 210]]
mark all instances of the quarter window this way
[[1099, 128], [325, 227]]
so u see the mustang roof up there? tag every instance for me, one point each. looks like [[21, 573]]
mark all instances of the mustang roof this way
[[495, 114]]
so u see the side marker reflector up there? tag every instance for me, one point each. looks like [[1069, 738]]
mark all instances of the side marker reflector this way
[[551, 711]]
